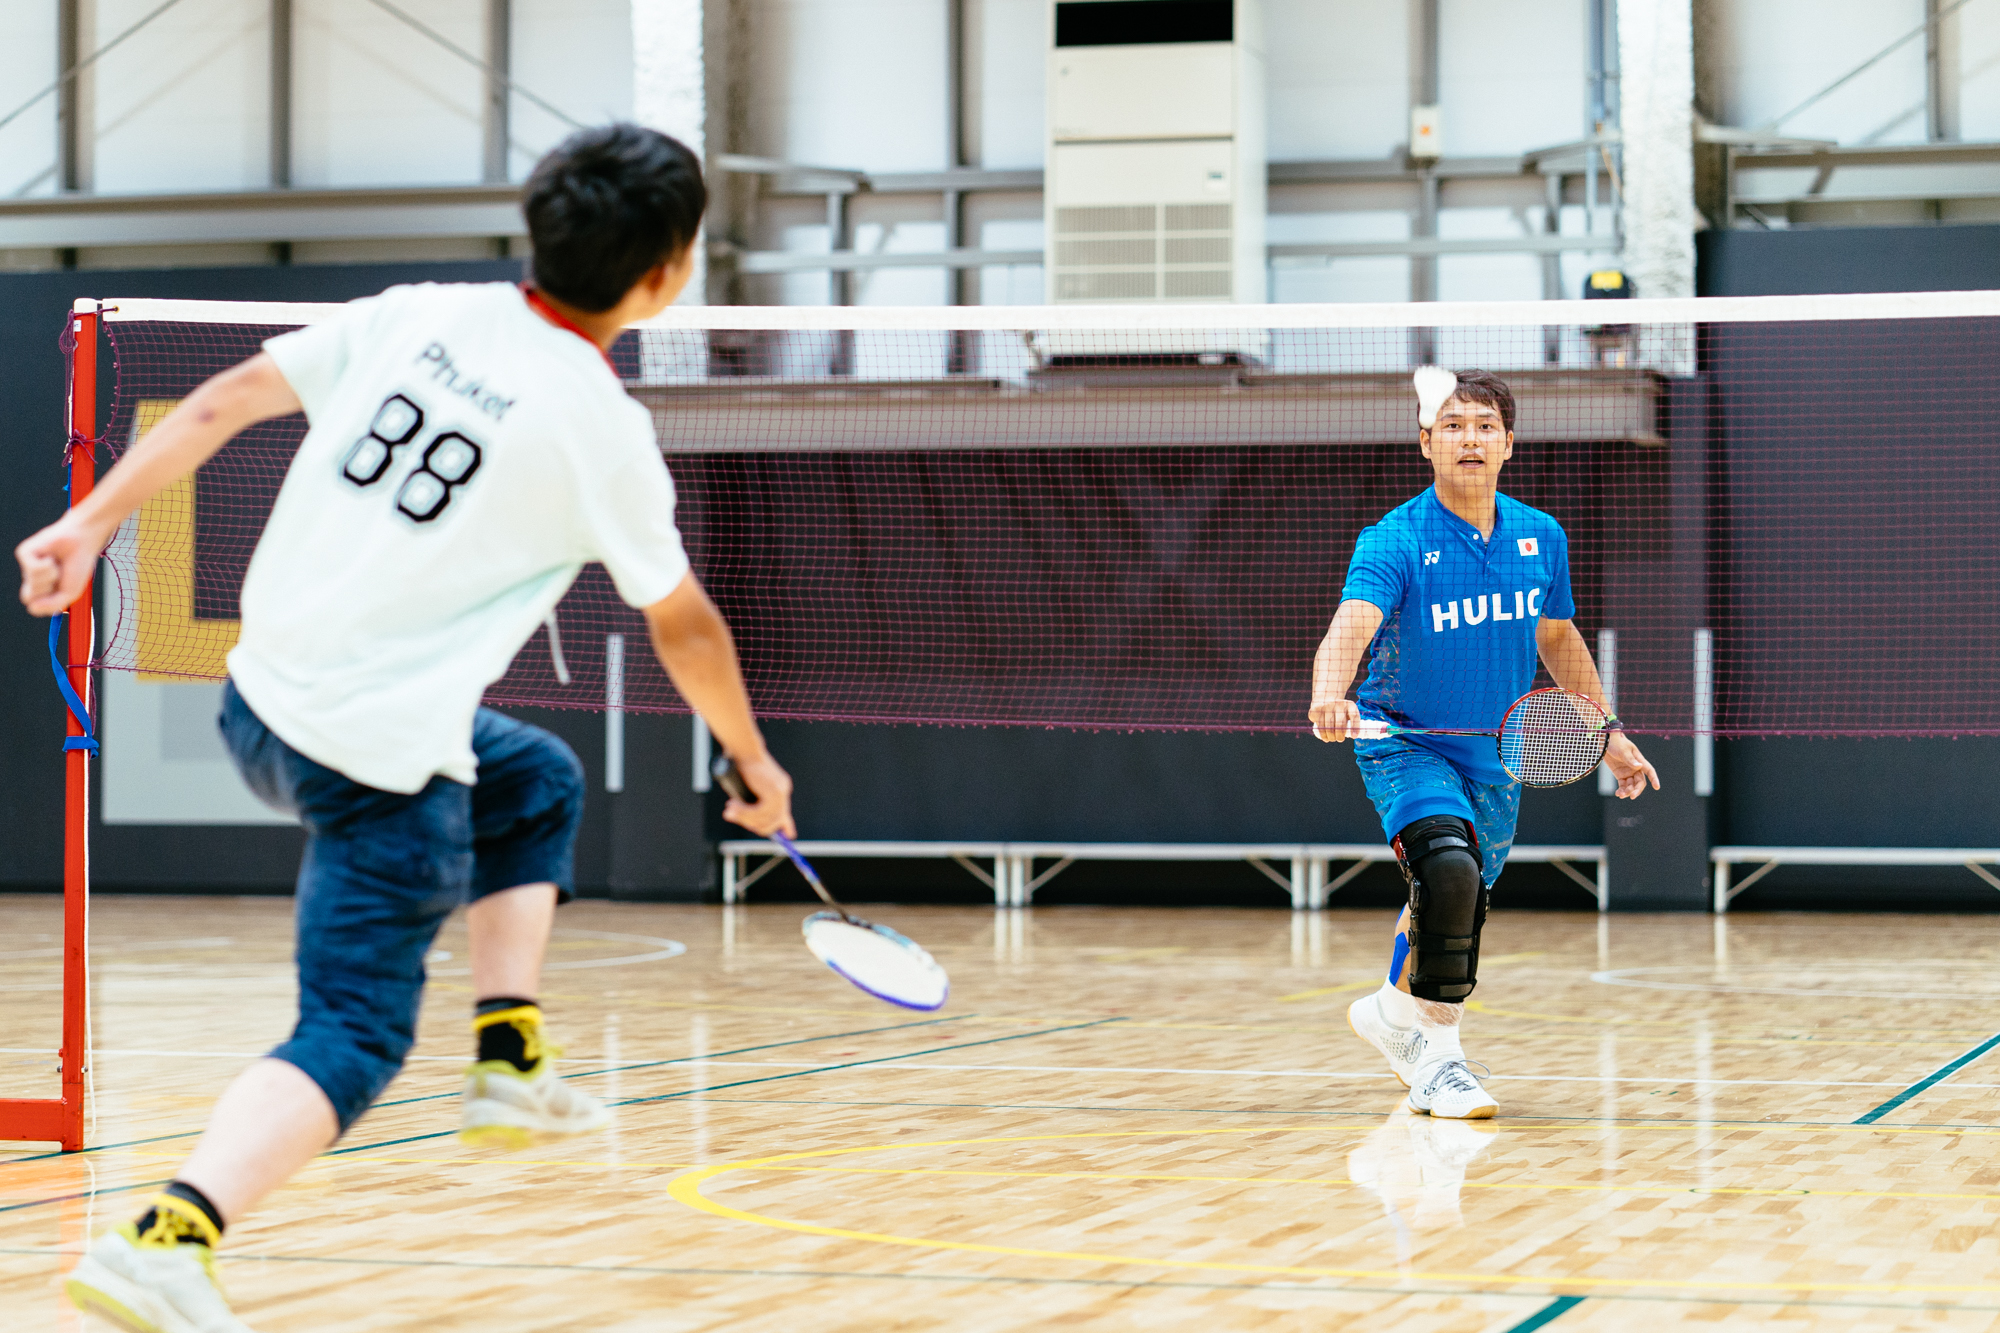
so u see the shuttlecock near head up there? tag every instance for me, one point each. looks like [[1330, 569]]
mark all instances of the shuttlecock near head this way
[[1435, 385]]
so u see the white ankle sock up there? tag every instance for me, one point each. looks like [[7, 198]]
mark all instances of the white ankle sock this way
[[1440, 1041], [1399, 1007]]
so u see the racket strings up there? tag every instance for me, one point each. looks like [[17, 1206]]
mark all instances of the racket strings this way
[[1552, 738]]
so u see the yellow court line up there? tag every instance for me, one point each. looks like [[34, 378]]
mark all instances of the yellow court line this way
[[1341, 989], [1543, 1188], [686, 1189], [1290, 1180]]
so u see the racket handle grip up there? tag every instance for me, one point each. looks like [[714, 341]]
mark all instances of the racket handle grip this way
[[1371, 729], [731, 781]]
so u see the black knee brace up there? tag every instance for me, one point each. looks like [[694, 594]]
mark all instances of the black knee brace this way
[[1439, 856]]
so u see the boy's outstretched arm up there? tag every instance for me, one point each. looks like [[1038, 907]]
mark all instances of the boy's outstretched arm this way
[[694, 645], [56, 562]]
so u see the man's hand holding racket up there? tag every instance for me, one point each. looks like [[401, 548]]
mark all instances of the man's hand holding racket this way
[[1632, 769], [1336, 719]]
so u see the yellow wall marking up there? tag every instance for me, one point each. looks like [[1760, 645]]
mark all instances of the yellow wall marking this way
[[172, 643]]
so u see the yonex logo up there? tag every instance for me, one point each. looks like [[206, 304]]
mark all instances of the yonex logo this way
[[1431, 557], [1444, 615]]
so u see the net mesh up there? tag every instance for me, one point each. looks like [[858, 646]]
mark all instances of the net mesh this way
[[1147, 527], [1551, 738]]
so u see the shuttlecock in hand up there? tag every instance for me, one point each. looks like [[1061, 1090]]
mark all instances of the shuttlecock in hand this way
[[1435, 385]]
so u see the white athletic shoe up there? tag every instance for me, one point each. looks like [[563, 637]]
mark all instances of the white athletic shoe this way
[[1403, 1047], [507, 1108], [1445, 1088], [152, 1289]]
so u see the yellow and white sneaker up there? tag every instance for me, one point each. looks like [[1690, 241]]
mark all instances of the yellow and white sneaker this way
[[152, 1288], [509, 1108]]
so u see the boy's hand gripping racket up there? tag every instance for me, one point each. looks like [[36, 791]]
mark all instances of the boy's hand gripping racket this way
[[1549, 738], [887, 965]]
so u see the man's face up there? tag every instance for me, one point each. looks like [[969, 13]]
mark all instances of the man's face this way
[[1468, 444]]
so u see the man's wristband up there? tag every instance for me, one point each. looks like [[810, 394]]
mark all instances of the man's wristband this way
[[1611, 723]]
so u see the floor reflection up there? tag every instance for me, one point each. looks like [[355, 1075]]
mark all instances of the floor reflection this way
[[1416, 1166]]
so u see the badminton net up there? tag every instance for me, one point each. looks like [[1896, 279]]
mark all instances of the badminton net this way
[[1778, 510]]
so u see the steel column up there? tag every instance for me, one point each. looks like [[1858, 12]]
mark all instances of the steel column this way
[[281, 94], [499, 69]]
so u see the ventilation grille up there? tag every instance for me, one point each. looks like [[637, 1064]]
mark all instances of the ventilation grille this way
[[1144, 252]]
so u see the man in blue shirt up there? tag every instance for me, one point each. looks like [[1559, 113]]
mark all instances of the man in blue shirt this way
[[1452, 598]]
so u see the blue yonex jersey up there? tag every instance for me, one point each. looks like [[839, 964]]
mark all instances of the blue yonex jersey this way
[[1457, 642]]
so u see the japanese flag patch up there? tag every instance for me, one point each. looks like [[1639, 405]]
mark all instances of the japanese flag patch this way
[[1528, 546]]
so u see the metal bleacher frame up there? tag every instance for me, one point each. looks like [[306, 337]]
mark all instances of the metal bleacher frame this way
[[1975, 859], [1014, 878]]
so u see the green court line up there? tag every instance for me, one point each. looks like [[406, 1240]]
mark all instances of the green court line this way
[[84, 1194], [634, 1101], [1930, 1080], [102, 1147], [712, 1055], [1554, 1310], [763, 1078], [1512, 1122], [581, 1073], [878, 1060], [821, 1275]]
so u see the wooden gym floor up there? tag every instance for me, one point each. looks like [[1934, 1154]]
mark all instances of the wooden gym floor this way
[[1134, 1119]]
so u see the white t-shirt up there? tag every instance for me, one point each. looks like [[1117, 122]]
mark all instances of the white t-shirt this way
[[465, 459]]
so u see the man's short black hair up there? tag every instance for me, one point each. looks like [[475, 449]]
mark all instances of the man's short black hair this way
[[1483, 386], [605, 206]]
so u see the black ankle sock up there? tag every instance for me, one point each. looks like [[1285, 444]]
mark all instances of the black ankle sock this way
[[188, 1194], [505, 1041]]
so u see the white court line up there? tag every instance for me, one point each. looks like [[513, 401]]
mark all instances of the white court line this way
[[103, 950], [191, 1055], [1329, 1074]]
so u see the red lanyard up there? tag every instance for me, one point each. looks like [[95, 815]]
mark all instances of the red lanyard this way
[[562, 321]]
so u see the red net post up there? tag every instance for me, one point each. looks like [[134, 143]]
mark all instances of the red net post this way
[[76, 759], [60, 1119]]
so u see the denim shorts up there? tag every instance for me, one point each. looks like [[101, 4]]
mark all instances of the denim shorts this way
[[382, 871], [1407, 782]]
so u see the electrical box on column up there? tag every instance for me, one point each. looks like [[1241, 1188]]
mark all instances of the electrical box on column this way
[[1155, 181]]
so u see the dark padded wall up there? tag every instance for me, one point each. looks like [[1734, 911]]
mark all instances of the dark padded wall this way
[[1806, 261], [1885, 793]]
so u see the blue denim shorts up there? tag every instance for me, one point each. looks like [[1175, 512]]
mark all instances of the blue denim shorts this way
[[383, 870], [1406, 782]]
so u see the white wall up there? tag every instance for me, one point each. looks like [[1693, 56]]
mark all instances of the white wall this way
[[849, 82], [379, 104], [183, 105], [1339, 78], [1771, 55], [27, 65], [575, 55], [859, 83]]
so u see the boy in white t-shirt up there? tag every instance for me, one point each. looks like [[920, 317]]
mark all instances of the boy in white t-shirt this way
[[470, 449]]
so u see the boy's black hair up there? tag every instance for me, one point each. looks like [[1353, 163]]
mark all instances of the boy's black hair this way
[[606, 205], [1483, 386]]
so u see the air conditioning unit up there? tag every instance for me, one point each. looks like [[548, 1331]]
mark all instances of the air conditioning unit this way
[[1154, 187]]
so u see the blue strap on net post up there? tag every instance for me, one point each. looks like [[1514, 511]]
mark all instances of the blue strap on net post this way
[[88, 741]]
